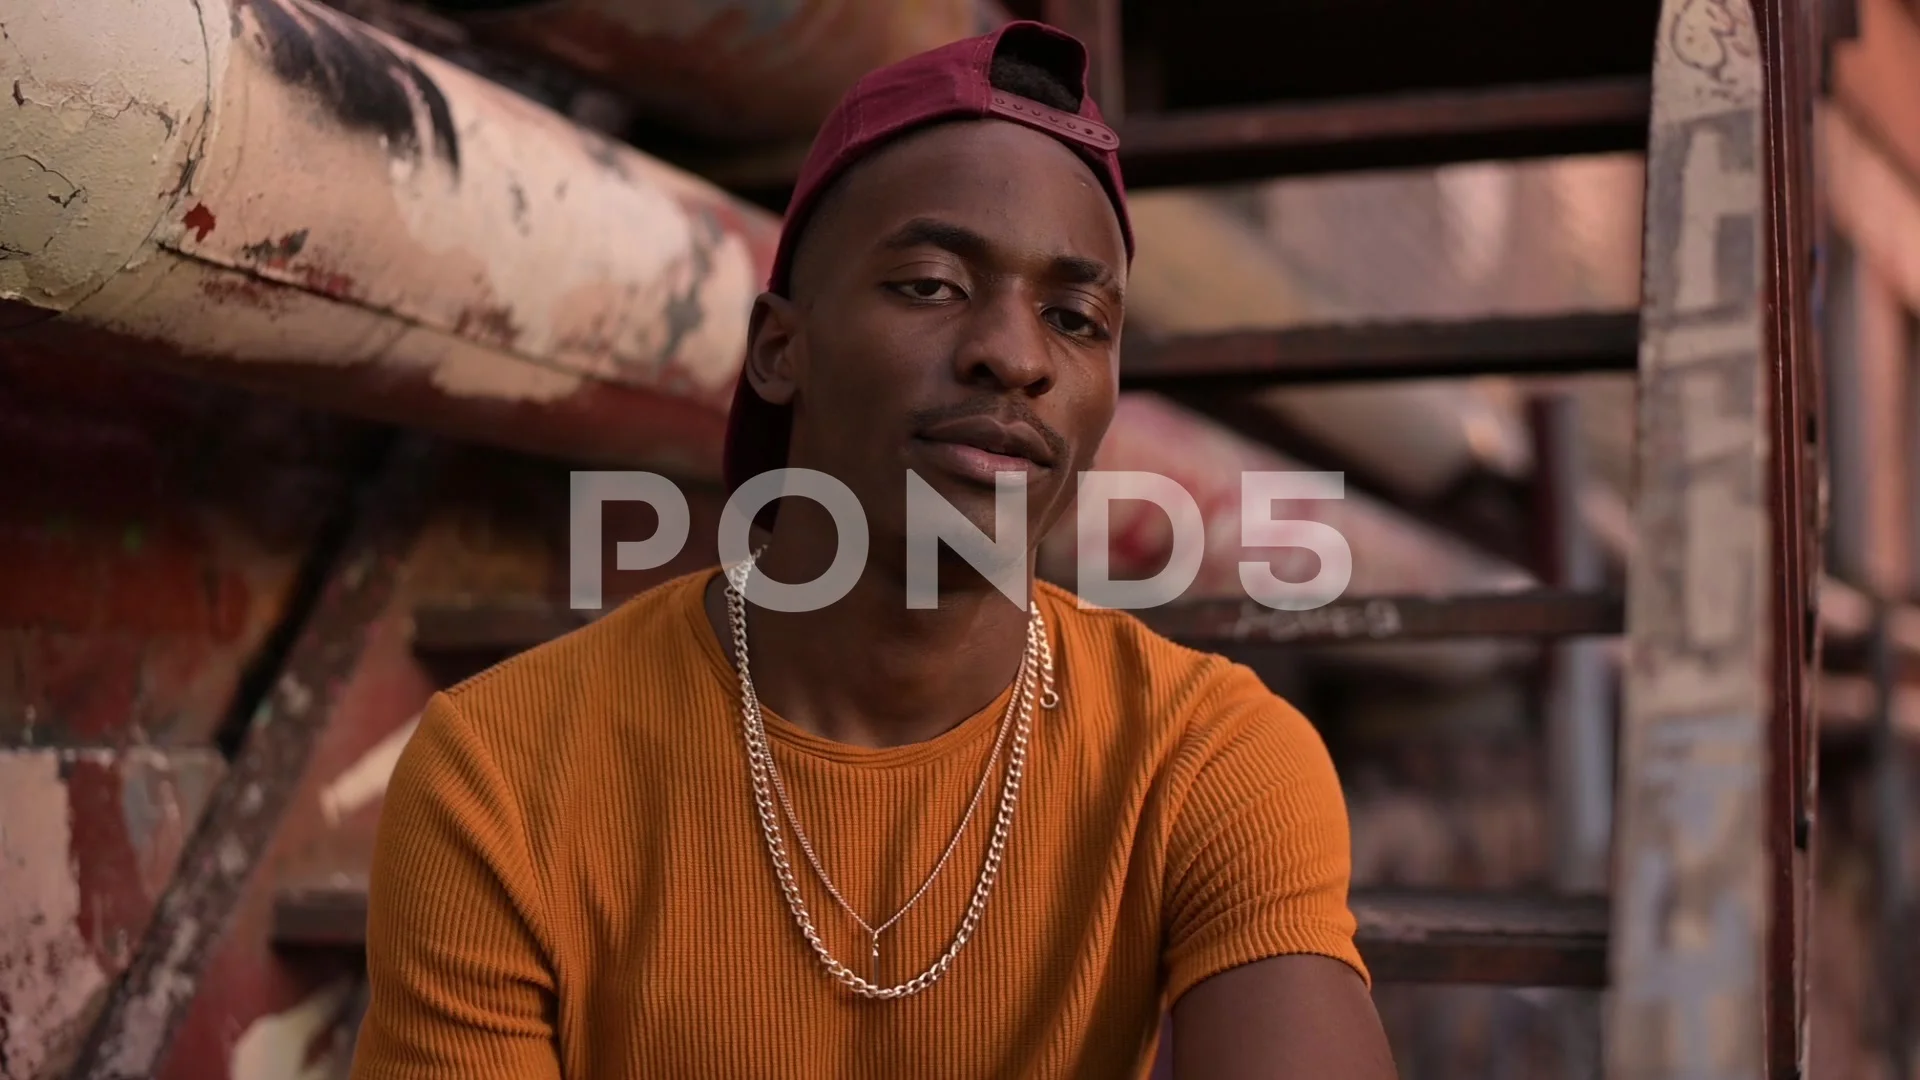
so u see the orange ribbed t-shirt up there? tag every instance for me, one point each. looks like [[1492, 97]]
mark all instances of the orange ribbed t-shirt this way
[[571, 878]]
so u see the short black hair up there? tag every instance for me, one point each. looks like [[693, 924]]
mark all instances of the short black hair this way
[[1034, 77]]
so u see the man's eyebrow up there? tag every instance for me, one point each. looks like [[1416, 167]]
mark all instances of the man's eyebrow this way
[[1078, 270], [932, 232], [964, 242]]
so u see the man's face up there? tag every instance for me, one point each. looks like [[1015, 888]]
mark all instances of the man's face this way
[[956, 311]]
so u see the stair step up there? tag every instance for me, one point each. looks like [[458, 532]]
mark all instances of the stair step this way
[[1241, 361], [493, 630], [1251, 143], [1430, 127], [1410, 936], [1405, 936], [1541, 613], [332, 916]]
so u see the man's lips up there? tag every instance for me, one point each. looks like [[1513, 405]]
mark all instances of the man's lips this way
[[1017, 444], [971, 463]]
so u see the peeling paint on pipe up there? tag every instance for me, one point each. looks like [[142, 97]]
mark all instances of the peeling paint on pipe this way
[[269, 192], [740, 71]]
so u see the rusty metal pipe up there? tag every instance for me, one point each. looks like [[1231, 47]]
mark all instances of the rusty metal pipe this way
[[271, 193], [732, 71]]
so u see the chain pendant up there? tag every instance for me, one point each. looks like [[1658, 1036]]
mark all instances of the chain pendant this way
[[763, 770]]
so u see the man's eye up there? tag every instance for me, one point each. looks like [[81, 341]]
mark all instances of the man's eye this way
[[1075, 323], [928, 289]]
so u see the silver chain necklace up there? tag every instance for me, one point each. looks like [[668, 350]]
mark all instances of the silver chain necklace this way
[[1038, 659]]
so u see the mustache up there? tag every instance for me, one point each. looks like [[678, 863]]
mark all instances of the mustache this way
[[1002, 409]]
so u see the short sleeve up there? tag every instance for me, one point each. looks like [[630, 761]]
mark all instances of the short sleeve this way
[[460, 983], [1259, 855]]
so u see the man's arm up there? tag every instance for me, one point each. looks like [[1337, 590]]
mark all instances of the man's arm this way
[[462, 986], [1276, 1019], [1265, 978]]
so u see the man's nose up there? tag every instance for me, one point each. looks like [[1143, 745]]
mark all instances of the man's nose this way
[[1004, 344]]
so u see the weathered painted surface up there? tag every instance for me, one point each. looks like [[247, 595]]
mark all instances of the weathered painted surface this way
[[493, 529], [308, 201], [1690, 914], [103, 111], [88, 839], [244, 815], [151, 533], [257, 1006], [151, 540], [733, 70]]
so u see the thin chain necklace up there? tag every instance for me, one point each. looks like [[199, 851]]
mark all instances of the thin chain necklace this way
[[1038, 657]]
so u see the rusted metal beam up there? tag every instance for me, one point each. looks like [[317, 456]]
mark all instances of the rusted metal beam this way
[[1239, 361], [1536, 614], [487, 632], [1411, 937], [131, 1036], [1788, 40], [1404, 936], [1482, 507], [1228, 145]]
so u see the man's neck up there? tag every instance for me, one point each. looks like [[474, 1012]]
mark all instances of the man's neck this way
[[867, 670]]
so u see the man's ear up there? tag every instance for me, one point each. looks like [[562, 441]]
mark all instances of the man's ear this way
[[773, 348]]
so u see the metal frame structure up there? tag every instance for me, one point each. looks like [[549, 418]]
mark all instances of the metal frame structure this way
[[1704, 942], [1711, 882], [1717, 694], [132, 1035]]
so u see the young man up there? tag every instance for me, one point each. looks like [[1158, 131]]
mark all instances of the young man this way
[[709, 838]]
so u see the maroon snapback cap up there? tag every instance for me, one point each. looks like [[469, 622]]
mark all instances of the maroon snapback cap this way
[[947, 83]]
